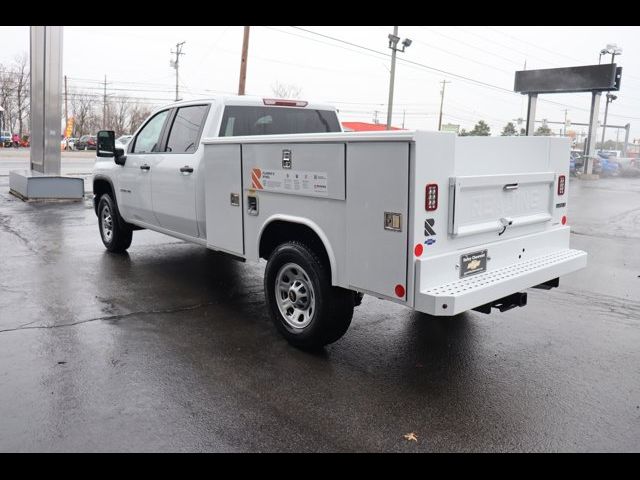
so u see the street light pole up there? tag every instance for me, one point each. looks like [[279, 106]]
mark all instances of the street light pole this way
[[610, 98], [393, 45], [392, 76]]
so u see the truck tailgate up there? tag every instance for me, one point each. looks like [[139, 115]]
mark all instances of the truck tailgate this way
[[492, 203]]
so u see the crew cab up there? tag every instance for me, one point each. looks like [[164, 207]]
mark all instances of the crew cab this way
[[438, 223]]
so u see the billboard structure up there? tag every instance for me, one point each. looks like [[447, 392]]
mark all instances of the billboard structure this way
[[587, 78]]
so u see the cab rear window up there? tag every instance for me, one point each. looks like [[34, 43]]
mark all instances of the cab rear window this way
[[255, 120]]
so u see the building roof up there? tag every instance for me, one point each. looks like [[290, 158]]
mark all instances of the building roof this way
[[366, 127]]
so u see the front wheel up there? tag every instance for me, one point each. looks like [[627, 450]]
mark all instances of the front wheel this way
[[116, 236], [307, 310]]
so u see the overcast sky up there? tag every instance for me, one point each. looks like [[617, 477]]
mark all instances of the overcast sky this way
[[136, 62]]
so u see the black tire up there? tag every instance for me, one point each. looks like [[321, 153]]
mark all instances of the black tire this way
[[118, 237], [333, 307]]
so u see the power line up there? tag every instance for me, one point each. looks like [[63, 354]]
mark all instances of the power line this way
[[510, 60], [464, 58], [450, 74]]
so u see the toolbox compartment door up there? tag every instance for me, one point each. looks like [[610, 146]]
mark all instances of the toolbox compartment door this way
[[223, 198], [377, 184]]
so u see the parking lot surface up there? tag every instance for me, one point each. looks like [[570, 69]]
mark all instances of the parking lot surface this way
[[170, 348]]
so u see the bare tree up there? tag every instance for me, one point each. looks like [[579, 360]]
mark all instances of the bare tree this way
[[138, 113], [84, 112], [8, 98], [282, 90], [21, 82], [118, 115]]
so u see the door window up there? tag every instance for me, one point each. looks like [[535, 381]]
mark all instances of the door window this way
[[185, 131], [149, 137]]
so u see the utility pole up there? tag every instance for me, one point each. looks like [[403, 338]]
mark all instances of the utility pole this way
[[375, 117], [444, 84], [104, 105], [404, 112], [66, 110], [393, 45], [176, 64], [243, 61]]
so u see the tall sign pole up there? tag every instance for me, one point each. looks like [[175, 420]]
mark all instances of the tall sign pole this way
[[46, 98]]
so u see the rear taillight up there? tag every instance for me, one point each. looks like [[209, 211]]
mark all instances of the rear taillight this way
[[431, 197], [561, 184], [285, 103]]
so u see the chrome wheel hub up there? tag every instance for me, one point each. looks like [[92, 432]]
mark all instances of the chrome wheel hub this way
[[107, 224], [295, 296]]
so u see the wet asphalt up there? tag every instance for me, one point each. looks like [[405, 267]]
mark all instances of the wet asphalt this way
[[170, 348]]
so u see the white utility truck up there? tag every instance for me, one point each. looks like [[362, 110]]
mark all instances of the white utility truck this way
[[439, 223]]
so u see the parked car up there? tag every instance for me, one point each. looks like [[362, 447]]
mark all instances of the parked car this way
[[68, 143], [629, 166], [5, 138], [609, 168], [123, 141], [576, 163], [86, 142], [596, 161]]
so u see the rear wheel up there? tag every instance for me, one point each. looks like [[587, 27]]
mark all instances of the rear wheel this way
[[116, 236], [306, 309]]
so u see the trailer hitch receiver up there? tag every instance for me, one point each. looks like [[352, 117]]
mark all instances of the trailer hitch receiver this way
[[518, 299]]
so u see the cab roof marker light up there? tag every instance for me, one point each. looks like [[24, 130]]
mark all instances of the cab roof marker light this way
[[285, 103]]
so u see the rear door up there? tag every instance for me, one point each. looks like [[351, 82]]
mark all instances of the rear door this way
[[173, 183]]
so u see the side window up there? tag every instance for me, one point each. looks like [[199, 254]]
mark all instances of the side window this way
[[185, 131], [148, 138]]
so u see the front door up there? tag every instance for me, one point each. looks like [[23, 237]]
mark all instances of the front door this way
[[135, 177], [173, 183]]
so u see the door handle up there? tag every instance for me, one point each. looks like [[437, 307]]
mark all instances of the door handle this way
[[186, 169], [510, 186], [145, 167]]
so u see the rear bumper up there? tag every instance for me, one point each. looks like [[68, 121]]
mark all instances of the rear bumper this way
[[459, 295]]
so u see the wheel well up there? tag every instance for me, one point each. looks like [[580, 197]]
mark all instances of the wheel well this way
[[100, 187], [279, 232]]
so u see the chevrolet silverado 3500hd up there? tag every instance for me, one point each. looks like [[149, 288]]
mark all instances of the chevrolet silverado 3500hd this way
[[439, 223]]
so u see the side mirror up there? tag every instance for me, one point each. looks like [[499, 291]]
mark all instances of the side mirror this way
[[120, 157], [106, 143], [106, 147]]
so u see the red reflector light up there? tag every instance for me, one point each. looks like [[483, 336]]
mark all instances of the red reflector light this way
[[431, 197], [561, 184], [418, 249], [400, 291], [284, 103], [564, 219]]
